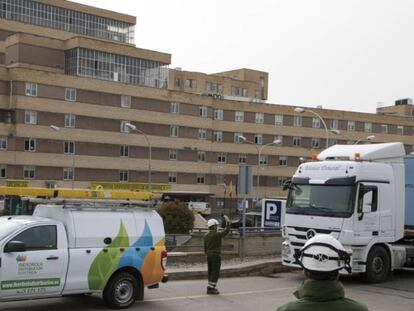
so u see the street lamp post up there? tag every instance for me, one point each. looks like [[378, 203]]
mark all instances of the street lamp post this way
[[368, 138], [134, 128], [57, 129], [301, 110], [259, 153]]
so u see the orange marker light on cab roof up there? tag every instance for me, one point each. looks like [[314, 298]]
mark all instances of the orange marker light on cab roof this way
[[357, 156], [314, 157]]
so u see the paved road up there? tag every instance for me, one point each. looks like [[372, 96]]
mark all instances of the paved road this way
[[239, 294]]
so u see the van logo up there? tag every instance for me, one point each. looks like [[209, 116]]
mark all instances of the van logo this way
[[21, 258], [310, 234]]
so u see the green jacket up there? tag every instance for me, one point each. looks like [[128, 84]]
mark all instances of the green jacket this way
[[212, 241], [322, 296]]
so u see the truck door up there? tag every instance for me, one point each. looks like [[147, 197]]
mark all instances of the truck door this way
[[37, 271], [366, 219]]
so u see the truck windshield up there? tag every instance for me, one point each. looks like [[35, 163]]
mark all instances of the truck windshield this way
[[7, 227], [321, 200]]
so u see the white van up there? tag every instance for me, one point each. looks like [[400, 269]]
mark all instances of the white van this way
[[70, 248]]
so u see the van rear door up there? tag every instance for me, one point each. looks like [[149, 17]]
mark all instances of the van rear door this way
[[38, 271]]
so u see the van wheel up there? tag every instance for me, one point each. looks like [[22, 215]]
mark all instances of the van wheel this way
[[121, 291], [378, 265]]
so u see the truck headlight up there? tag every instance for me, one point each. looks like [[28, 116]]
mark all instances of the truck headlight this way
[[286, 250]]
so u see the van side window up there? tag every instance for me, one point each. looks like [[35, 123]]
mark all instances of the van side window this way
[[38, 238], [363, 190]]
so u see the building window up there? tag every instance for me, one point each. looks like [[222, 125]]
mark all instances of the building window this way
[[30, 144], [258, 94], [263, 159], [384, 128], [242, 158], [367, 127], [201, 179], [219, 179], [218, 114], [316, 123], [238, 91], [258, 139], [173, 154], [296, 141], [123, 175], [70, 120], [124, 127], [237, 138], [70, 94], [239, 116], [174, 130], [218, 136], [177, 82], [297, 120], [220, 203], [283, 160], [126, 101], [400, 130], [202, 133], [69, 147], [203, 111], [221, 158], [30, 117], [351, 126], [29, 172], [172, 177], [68, 173], [201, 156], [315, 143], [31, 89], [175, 107], [124, 151], [3, 142], [259, 118], [332, 142], [214, 87], [279, 119], [280, 139], [191, 83], [334, 124], [282, 180], [3, 171]]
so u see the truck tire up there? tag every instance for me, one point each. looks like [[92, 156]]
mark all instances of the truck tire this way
[[121, 291], [378, 265]]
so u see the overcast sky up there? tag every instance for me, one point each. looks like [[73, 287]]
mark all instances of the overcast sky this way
[[341, 54]]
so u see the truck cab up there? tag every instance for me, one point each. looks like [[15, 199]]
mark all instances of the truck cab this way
[[356, 194]]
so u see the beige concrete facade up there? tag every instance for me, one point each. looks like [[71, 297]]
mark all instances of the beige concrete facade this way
[[205, 111]]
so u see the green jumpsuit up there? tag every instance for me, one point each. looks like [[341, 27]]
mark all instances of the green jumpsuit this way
[[212, 248], [322, 296]]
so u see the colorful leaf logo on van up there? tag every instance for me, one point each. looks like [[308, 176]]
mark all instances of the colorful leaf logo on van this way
[[21, 258], [107, 261]]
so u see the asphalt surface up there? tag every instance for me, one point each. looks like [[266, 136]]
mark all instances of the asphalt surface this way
[[251, 293]]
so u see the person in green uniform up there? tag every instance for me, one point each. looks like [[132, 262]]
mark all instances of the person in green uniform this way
[[321, 259], [212, 248]]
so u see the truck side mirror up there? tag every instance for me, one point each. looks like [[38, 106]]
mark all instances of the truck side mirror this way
[[15, 247]]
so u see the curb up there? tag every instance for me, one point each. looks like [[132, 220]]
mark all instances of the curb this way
[[241, 270]]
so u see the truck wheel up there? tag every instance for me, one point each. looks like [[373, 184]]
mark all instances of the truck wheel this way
[[121, 291], [378, 265]]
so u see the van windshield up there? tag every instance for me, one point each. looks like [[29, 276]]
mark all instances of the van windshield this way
[[7, 227], [321, 200]]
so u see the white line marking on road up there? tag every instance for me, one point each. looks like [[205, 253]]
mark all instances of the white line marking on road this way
[[223, 294]]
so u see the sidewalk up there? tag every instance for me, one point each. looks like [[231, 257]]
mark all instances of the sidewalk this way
[[234, 267]]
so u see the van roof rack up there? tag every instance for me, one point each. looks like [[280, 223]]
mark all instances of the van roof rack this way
[[92, 203]]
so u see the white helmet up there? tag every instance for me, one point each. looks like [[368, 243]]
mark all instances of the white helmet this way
[[212, 222], [323, 253]]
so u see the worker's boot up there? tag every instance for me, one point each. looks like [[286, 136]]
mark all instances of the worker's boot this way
[[212, 291]]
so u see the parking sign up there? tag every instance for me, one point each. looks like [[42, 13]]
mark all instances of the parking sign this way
[[272, 212]]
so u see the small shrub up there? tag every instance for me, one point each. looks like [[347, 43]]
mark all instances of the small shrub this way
[[177, 217]]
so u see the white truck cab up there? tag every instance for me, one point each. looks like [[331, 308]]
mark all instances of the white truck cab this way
[[76, 248], [356, 194]]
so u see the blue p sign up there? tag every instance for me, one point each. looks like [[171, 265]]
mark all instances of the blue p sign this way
[[272, 213]]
